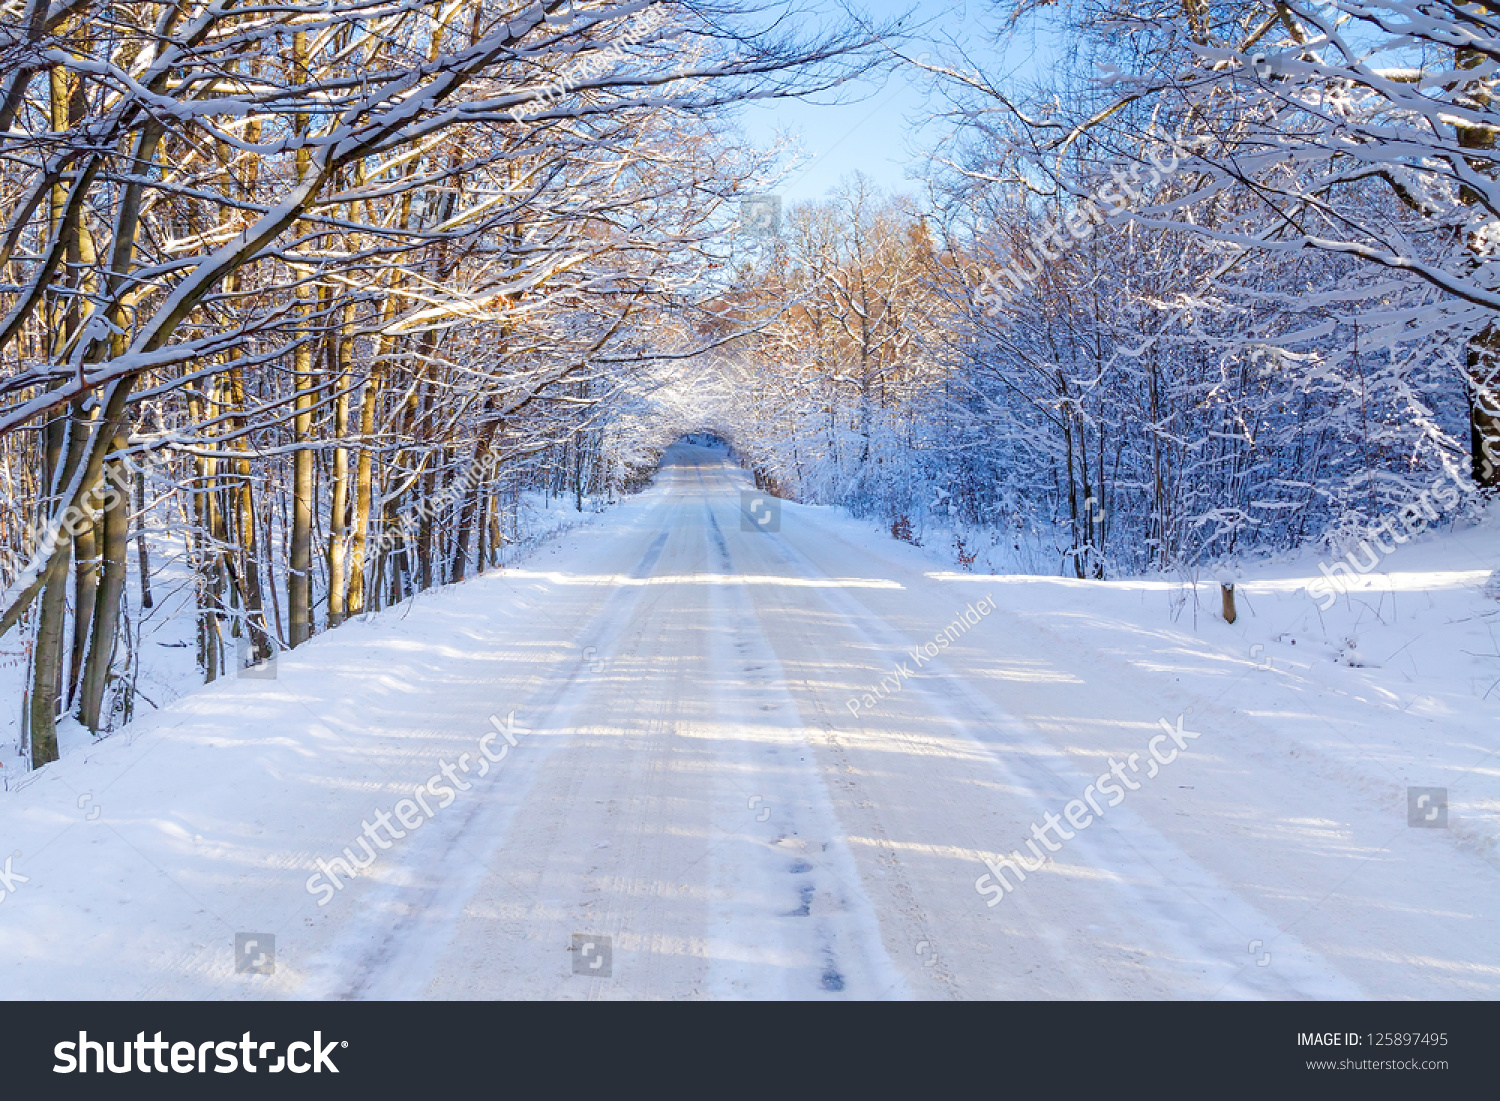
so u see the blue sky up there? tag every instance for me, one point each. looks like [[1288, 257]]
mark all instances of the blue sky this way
[[877, 126]]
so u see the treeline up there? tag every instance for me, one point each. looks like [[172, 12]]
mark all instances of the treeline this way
[[328, 287], [1232, 297]]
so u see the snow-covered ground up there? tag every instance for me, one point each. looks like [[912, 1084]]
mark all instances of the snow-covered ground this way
[[662, 733], [165, 635]]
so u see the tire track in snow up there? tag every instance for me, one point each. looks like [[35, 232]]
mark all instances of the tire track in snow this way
[[830, 933], [1129, 855], [391, 950]]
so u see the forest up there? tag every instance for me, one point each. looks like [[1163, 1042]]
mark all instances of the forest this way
[[302, 303]]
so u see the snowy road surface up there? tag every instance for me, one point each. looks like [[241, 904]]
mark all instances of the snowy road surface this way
[[685, 788]]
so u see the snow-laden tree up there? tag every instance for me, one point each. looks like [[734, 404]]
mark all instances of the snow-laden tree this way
[[1361, 130], [1174, 348], [826, 385], [334, 259]]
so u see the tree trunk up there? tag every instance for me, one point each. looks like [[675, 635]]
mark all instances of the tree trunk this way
[[85, 593], [1484, 407], [47, 685], [116, 529], [248, 537], [1483, 359], [46, 675], [299, 578], [142, 551], [339, 510]]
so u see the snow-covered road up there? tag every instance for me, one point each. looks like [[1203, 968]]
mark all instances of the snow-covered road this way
[[685, 781]]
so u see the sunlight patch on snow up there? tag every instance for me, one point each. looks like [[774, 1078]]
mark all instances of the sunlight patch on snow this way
[[1231, 665], [1085, 871], [661, 944], [1326, 825], [916, 744], [780, 735], [1397, 581], [952, 852], [1028, 579], [764, 956], [895, 740], [1413, 960], [621, 581], [1408, 581], [1034, 675]]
